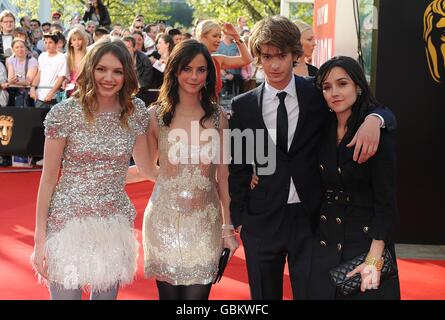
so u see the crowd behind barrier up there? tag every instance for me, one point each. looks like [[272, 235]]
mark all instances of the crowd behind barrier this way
[[39, 64]]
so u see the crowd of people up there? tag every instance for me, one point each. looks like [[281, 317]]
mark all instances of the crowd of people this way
[[39, 62], [128, 92]]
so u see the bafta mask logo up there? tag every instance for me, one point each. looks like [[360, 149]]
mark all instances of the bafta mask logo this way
[[434, 37], [6, 124]]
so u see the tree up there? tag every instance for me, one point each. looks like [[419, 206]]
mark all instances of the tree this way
[[121, 11], [181, 14], [230, 10], [26, 7]]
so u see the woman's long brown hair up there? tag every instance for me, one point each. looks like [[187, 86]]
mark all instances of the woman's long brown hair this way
[[181, 56]]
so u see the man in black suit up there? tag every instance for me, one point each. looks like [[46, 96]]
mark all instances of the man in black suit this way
[[287, 115]]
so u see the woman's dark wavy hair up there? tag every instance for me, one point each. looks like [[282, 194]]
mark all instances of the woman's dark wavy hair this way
[[100, 3], [365, 102], [183, 53], [167, 39]]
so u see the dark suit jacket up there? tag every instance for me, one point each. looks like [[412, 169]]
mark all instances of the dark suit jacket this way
[[104, 16], [260, 211], [2, 55], [144, 71], [2, 51]]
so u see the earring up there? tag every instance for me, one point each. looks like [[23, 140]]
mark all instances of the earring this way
[[359, 91], [330, 110]]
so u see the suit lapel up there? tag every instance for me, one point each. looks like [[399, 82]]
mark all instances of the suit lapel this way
[[259, 95], [302, 104], [329, 157]]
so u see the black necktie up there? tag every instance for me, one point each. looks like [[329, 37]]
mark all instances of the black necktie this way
[[282, 123]]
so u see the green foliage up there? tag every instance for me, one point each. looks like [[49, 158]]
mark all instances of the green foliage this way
[[303, 12], [26, 7], [181, 14], [254, 10], [121, 11], [124, 11]]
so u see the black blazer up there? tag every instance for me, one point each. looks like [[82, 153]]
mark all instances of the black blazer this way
[[144, 71], [360, 206], [2, 55], [312, 70], [370, 212], [260, 211], [104, 16], [2, 52]]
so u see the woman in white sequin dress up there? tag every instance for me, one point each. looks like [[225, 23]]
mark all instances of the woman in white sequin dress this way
[[187, 220], [84, 233]]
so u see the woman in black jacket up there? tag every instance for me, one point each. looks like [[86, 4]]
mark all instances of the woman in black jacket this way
[[359, 210], [96, 11]]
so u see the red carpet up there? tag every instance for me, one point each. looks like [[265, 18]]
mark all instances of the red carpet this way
[[420, 279]]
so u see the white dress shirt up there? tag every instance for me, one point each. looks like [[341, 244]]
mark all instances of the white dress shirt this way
[[270, 106]]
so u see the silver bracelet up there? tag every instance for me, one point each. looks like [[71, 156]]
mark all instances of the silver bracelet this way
[[228, 227]]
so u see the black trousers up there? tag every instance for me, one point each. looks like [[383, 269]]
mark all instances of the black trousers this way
[[266, 257]]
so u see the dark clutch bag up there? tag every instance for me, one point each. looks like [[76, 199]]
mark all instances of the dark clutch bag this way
[[346, 287], [224, 258]]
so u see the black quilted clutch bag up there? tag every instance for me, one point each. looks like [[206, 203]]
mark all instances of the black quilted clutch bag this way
[[223, 259], [346, 287]]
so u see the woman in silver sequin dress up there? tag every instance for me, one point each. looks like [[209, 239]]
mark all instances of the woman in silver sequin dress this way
[[183, 230], [84, 233]]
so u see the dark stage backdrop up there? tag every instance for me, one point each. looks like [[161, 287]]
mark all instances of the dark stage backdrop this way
[[416, 94], [21, 131]]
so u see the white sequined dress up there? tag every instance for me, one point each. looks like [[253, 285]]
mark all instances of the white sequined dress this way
[[90, 235], [182, 221]]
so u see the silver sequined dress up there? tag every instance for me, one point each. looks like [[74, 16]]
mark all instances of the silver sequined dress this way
[[90, 235], [182, 221]]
